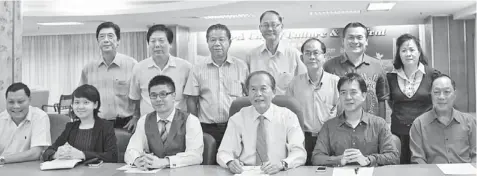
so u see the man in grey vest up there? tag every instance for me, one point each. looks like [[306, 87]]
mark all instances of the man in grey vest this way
[[167, 137]]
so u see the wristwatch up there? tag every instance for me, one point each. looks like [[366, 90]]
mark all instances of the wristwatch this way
[[285, 165], [2, 160]]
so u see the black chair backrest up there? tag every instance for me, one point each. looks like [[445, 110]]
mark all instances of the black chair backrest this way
[[210, 150], [122, 142], [57, 125]]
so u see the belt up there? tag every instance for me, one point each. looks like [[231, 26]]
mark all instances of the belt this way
[[311, 134], [214, 124]]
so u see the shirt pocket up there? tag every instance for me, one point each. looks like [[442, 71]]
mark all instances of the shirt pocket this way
[[283, 79], [234, 88], [121, 87]]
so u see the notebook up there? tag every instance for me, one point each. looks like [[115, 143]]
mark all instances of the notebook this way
[[59, 164]]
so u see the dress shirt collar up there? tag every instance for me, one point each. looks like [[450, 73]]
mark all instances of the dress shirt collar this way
[[169, 118], [268, 114], [342, 119], [400, 71], [365, 57], [171, 62], [280, 48], [323, 76], [456, 115], [228, 60], [115, 61]]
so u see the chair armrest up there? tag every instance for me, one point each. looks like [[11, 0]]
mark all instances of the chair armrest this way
[[48, 106]]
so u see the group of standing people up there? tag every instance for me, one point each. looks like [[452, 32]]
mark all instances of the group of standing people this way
[[168, 103]]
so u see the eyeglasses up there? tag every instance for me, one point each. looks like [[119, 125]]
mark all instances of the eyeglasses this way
[[273, 25], [160, 95], [313, 53]]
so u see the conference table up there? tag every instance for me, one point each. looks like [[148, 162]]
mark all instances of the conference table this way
[[109, 169]]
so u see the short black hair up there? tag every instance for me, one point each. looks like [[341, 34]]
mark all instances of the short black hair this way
[[90, 93], [399, 42], [261, 72], [441, 76], [163, 28], [162, 80], [218, 27], [16, 87], [280, 18], [350, 77], [109, 24], [323, 47], [355, 25]]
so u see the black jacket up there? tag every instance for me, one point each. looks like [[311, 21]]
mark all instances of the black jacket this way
[[104, 141]]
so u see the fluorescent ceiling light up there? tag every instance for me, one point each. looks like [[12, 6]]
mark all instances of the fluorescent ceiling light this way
[[228, 16], [335, 12], [60, 24], [381, 6]]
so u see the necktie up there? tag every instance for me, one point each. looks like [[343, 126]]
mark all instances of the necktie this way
[[162, 129], [262, 151]]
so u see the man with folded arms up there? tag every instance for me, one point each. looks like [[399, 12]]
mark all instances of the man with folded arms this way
[[166, 137], [262, 134], [354, 136], [316, 91], [214, 84], [24, 130], [443, 134]]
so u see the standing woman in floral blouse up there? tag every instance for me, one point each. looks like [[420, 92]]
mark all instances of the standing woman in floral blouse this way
[[410, 85]]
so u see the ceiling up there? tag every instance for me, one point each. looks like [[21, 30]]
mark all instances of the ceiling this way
[[136, 15]]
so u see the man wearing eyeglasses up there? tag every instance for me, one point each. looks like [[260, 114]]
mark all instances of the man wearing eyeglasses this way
[[213, 85], [263, 134], [274, 56], [316, 91], [444, 134], [354, 59], [167, 137], [111, 75]]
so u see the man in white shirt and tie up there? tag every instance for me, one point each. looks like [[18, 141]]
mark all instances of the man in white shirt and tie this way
[[262, 134], [166, 137]]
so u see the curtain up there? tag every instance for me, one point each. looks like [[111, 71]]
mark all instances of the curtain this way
[[54, 62]]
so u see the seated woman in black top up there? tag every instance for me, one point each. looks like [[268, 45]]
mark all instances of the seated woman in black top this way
[[88, 136]]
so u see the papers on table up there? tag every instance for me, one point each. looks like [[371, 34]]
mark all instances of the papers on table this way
[[59, 164], [457, 169], [252, 171], [351, 171], [133, 170]]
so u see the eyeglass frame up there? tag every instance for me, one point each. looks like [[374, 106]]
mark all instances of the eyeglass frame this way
[[267, 25], [164, 95]]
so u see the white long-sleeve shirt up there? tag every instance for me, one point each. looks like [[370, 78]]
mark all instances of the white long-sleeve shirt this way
[[284, 137], [194, 143]]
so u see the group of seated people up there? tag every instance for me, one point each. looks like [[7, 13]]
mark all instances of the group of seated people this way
[[168, 105]]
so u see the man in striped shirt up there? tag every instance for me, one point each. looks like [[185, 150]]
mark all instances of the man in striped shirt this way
[[214, 84], [111, 76]]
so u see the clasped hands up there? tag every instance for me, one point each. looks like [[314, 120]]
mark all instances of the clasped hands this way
[[150, 161], [354, 155], [236, 167], [67, 151]]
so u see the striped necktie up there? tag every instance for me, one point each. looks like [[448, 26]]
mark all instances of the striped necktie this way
[[262, 151], [162, 129]]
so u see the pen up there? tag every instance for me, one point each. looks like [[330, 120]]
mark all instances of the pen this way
[[356, 170]]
